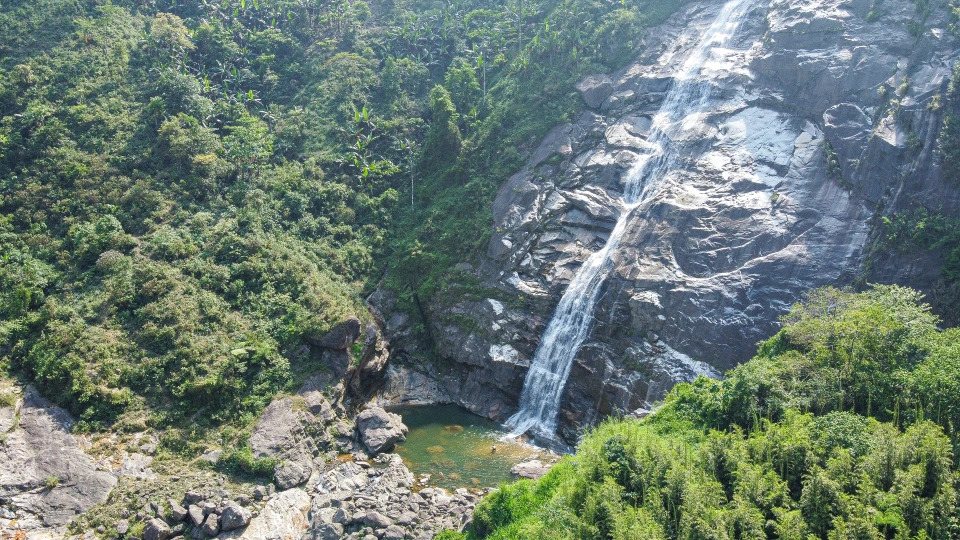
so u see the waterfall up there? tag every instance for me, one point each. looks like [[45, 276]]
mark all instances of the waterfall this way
[[690, 94]]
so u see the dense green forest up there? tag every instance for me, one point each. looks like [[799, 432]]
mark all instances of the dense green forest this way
[[846, 425], [190, 191]]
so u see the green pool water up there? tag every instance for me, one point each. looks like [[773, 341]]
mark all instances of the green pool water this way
[[455, 447]]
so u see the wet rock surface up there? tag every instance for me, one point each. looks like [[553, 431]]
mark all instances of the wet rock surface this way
[[777, 192]]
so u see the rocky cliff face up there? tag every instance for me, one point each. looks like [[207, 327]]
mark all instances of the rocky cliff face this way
[[821, 124]]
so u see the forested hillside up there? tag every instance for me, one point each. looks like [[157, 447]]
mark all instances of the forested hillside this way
[[191, 191], [844, 426]]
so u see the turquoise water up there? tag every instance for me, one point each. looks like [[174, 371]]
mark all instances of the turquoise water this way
[[457, 448]]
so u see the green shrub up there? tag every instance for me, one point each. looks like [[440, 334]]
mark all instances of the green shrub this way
[[241, 461]]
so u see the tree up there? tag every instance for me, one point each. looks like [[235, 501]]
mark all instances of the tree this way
[[443, 144], [248, 145]]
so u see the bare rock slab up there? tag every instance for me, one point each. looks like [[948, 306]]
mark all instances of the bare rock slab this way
[[40, 451]]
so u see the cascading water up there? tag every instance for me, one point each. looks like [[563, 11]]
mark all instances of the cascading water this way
[[690, 93]]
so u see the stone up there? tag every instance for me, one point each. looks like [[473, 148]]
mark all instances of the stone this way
[[343, 516], [277, 430], [196, 515], [376, 519], [259, 493], [122, 527], [213, 456], [192, 497], [280, 434], [380, 430], [137, 466], [327, 531], [148, 448], [156, 529], [292, 474], [233, 516], [394, 532], [177, 512], [340, 337], [532, 469], [211, 525]]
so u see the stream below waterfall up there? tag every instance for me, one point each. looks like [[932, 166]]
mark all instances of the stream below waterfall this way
[[449, 447]]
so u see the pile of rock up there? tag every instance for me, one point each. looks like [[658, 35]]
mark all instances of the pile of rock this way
[[358, 500], [197, 515]]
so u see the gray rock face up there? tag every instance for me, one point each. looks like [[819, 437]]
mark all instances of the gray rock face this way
[[380, 430], [39, 447], [774, 194], [595, 89]]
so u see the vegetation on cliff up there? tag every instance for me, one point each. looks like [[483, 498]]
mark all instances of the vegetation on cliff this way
[[845, 425]]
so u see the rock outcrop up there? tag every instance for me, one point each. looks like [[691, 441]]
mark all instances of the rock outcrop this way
[[778, 188], [45, 476]]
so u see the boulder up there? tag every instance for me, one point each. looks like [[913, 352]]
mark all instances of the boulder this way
[[156, 529], [380, 430], [394, 532], [278, 430], [292, 474], [532, 469], [211, 526], [177, 512], [327, 531], [376, 520], [196, 515], [233, 516]]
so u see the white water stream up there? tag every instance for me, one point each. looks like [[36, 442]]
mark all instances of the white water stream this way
[[571, 322]]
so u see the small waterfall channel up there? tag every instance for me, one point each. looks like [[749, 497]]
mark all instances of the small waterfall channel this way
[[571, 322]]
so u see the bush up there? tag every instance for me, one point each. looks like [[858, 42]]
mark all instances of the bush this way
[[241, 461]]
